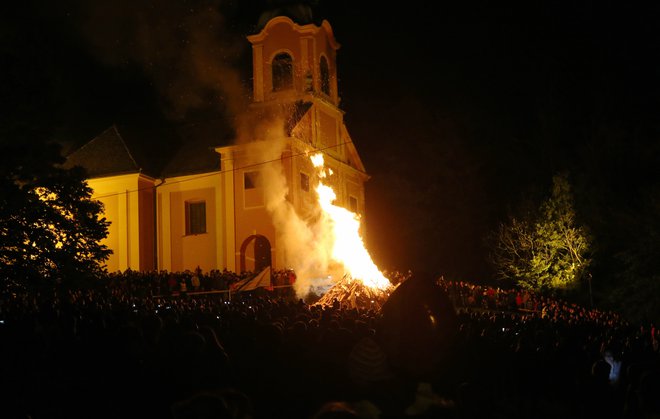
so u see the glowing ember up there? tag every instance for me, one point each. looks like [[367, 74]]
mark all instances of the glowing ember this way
[[347, 245]]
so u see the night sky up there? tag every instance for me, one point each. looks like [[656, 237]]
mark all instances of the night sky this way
[[460, 111]]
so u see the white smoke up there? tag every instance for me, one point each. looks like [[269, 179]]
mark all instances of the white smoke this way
[[305, 241]]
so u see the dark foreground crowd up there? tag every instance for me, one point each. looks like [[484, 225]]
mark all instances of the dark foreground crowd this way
[[113, 352]]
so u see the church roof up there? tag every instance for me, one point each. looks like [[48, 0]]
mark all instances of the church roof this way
[[127, 148], [106, 154], [156, 151]]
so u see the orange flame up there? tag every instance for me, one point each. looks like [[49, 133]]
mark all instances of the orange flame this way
[[347, 245]]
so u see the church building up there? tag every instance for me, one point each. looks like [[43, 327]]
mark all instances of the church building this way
[[212, 206]]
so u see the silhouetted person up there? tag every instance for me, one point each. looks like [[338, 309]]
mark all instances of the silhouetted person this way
[[599, 399]]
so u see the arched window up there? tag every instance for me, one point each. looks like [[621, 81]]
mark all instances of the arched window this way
[[325, 76], [282, 72]]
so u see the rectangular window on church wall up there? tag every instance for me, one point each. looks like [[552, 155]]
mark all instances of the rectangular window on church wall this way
[[251, 180], [304, 182], [353, 204], [195, 217]]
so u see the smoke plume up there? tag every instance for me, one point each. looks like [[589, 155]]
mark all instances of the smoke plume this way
[[186, 49], [305, 241]]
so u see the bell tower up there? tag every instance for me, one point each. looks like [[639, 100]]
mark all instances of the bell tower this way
[[294, 62]]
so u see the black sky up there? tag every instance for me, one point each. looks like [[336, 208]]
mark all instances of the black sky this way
[[458, 110]]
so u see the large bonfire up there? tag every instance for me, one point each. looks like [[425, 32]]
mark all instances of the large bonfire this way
[[354, 293], [363, 285]]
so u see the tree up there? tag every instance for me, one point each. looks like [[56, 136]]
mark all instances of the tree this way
[[547, 249], [512, 250], [639, 275], [50, 227]]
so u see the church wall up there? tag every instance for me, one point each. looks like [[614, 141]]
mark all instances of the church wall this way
[[111, 209], [178, 248], [128, 213], [355, 189], [146, 227], [328, 133], [251, 215], [304, 200]]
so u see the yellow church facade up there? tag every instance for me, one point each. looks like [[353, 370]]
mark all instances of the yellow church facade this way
[[224, 217]]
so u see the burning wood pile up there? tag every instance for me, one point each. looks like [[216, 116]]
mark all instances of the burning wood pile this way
[[353, 293]]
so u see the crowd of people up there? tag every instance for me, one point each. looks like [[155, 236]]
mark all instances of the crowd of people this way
[[162, 283], [135, 347]]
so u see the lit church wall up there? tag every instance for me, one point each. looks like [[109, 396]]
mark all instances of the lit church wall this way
[[110, 212], [129, 210], [181, 246]]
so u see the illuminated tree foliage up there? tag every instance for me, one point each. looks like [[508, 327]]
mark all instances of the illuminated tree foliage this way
[[547, 250], [50, 227]]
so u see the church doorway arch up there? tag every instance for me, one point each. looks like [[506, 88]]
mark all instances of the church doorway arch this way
[[255, 253]]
